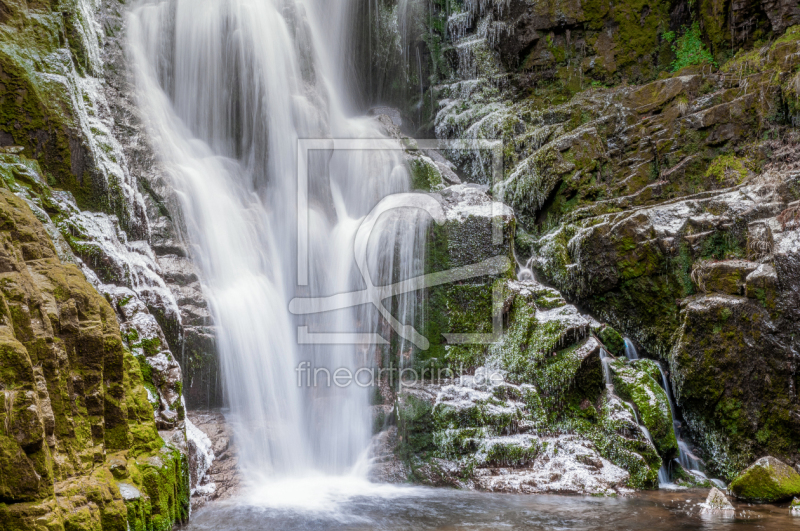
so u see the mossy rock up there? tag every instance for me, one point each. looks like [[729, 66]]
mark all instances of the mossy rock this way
[[768, 480], [612, 340], [80, 412], [638, 385], [45, 109], [732, 382]]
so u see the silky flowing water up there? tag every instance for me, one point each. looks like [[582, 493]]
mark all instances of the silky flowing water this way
[[355, 506], [228, 89]]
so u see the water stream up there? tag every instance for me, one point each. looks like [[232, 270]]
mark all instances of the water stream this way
[[229, 87], [690, 462], [686, 459], [630, 350]]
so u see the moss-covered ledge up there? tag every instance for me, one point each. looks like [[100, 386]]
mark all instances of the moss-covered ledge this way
[[81, 437]]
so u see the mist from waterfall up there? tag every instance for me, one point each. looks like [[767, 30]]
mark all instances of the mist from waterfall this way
[[228, 87]]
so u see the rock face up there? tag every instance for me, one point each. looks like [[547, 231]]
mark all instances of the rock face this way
[[188, 331], [476, 231], [530, 411], [669, 276], [54, 107], [67, 101], [221, 479], [110, 397], [665, 205], [77, 416], [767, 480]]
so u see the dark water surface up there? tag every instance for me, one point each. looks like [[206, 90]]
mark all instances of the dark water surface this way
[[405, 508]]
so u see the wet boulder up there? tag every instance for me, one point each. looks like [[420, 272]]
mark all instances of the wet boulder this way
[[638, 383], [717, 503], [767, 480], [728, 276], [472, 253]]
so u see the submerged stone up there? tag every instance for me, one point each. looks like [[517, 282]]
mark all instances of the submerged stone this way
[[717, 502]]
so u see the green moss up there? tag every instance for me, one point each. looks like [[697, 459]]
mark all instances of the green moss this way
[[634, 41], [612, 339], [767, 481], [40, 106], [151, 346], [722, 245], [728, 168], [416, 425], [425, 175], [639, 384], [636, 456]]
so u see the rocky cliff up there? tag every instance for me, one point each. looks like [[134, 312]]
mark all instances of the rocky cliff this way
[[650, 159], [648, 187], [80, 445]]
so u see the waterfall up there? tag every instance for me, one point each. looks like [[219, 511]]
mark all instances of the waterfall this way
[[630, 350], [605, 360], [228, 87], [686, 458]]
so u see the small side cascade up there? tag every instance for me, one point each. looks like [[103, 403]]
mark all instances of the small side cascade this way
[[605, 360], [663, 472], [525, 274], [686, 459], [630, 350]]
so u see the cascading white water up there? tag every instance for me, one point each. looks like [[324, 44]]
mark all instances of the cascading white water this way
[[604, 361], [630, 350], [228, 87], [686, 458]]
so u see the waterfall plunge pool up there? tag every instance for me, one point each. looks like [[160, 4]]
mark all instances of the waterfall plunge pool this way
[[354, 504]]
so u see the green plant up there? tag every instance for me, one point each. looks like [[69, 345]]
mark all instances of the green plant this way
[[689, 48], [727, 169]]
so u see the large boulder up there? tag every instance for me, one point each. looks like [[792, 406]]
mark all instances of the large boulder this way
[[768, 480], [732, 375], [476, 231]]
